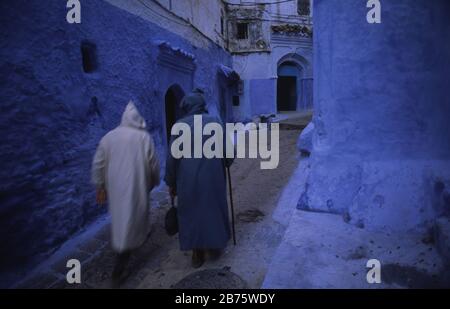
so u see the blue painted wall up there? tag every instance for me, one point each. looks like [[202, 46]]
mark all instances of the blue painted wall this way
[[54, 114], [306, 101], [262, 95], [396, 71], [382, 108]]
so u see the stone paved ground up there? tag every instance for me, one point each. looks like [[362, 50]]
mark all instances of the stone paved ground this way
[[160, 264], [277, 247], [320, 250]]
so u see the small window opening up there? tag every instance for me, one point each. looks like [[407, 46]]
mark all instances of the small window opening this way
[[89, 57], [303, 7], [242, 31]]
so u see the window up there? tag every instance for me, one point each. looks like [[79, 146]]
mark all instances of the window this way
[[236, 101], [242, 31], [303, 7], [89, 56]]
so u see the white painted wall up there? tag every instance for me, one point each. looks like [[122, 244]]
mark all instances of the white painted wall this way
[[205, 15], [181, 17]]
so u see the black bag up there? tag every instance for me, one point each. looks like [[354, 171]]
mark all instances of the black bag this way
[[171, 220]]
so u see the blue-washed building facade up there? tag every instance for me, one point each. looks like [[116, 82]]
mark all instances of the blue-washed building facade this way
[[66, 85], [272, 47]]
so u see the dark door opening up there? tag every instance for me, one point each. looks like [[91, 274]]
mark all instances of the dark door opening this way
[[173, 111], [287, 93]]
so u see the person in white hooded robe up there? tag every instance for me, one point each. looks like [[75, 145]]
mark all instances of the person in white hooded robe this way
[[124, 170]]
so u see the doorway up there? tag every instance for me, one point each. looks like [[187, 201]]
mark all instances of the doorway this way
[[287, 93], [173, 98], [288, 85]]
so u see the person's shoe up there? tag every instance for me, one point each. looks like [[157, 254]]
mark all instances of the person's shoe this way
[[198, 258], [214, 254], [121, 262], [115, 282]]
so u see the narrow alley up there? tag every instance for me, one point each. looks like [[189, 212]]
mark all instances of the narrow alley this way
[[93, 97], [160, 264]]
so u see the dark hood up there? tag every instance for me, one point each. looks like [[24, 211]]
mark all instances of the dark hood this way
[[194, 103]]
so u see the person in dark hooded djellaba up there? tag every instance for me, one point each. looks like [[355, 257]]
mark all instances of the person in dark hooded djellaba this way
[[124, 170], [200, 186]]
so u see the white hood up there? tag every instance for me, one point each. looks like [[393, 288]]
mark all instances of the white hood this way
[[132, 118]]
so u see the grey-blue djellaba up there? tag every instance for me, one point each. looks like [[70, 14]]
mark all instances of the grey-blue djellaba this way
[[201, 188]]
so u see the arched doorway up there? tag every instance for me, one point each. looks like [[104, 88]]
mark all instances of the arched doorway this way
[[294, 69], [288, 86], [173, 98]]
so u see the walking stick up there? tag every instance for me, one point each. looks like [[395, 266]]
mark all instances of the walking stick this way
[[232, 206]]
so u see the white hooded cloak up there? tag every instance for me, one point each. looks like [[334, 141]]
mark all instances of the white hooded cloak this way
[[126, 166]]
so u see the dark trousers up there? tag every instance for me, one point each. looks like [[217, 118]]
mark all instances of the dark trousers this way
[[121, 262]]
